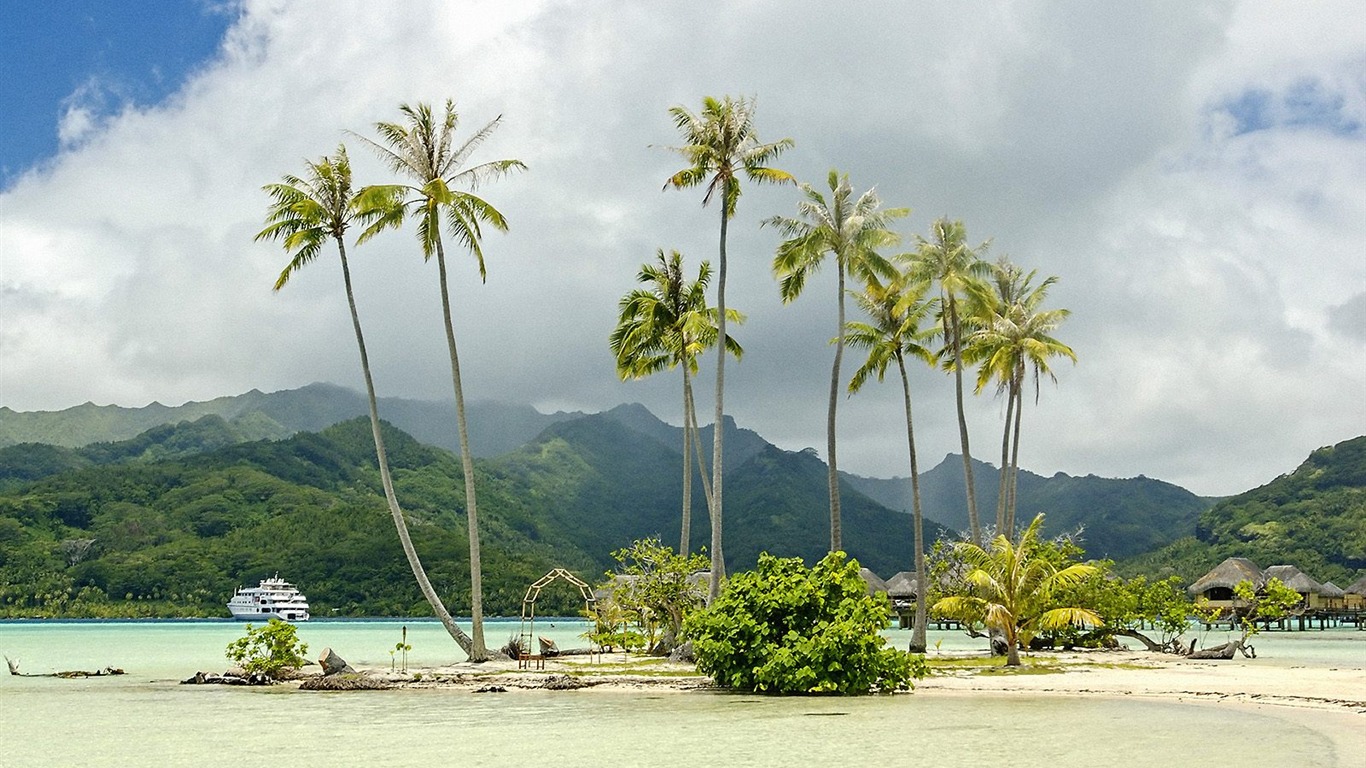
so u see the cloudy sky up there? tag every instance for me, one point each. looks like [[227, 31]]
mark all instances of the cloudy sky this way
[[1193, 172]]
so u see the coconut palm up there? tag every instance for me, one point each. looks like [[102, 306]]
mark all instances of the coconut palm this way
[[1012, 588], [896, 310], [422, 148], [668, 325], [720, 146], [851, 230], [305, 214], [1015, 337], [946, 260]]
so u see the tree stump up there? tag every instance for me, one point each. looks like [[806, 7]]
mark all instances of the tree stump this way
[[333, 664]]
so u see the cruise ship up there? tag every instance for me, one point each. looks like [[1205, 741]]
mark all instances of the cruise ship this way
[[275, 598]]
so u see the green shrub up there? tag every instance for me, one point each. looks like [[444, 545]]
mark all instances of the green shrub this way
[[269, 649], [785, 629]]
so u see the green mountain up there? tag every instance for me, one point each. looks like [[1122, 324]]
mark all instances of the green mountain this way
[[1313, 518], [494, 428], [1118, 518]]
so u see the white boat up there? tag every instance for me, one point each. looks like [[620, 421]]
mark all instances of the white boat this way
[[275, 598]]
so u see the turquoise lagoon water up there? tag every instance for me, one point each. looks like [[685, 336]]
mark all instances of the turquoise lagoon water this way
[[146, 719]]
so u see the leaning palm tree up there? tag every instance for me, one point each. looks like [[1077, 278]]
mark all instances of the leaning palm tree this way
[[896, 310], [946, 260], [1015, 337], [305, 214], [669, 325], [720, 147], [1012, 588], [851, 230], [423, 149]]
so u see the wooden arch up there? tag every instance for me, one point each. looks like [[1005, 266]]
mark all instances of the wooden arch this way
[[528, 633]]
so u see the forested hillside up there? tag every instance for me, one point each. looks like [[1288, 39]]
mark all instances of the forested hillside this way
[[1118, 517], [1313, 518]]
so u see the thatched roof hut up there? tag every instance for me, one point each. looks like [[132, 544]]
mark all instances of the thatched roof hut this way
[[902, 586], [1294, 578], [1355, 595], [1218, 584], [874, 582], [1331, 591], [1358, 587]]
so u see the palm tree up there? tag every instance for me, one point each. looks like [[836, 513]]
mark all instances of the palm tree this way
[[851, 230], [946, 260], [720, 146], [306, 212], [897, 310], [1015, 336], [1012, 589], [668, 325], [423, 150]]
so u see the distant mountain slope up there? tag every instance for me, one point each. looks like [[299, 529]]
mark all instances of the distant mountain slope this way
[[494, 427], [1313, 518], [1120, 517]]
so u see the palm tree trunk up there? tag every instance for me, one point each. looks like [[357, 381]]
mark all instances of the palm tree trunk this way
[[1015, 455], [697, 449], [1003, 479], [836, 532], [381, 457], [718, 563], [922, 590], [974, 523], [685, 535], [478, 651]]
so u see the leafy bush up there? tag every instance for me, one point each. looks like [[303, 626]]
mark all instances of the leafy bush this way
[[269, 649], [785, 629]]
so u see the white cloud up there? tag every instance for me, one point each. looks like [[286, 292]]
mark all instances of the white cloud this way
[[1212, 270]]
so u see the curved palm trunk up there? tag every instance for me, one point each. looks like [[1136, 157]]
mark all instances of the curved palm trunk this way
[[922, 590], [478, 651], [1015, 456], [697, 449], [718, 563], [685, 536], [386, 480], [1003, 479], [836, 532], [974, 523]]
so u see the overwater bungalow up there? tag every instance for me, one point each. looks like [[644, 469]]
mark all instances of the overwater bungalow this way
[[874, 582], [1332, 596], [1300, 582], [1354, 597], [1216, 587]]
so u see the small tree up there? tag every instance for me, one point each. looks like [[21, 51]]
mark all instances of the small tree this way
[[268, 650], [656, 589], [785, 629]]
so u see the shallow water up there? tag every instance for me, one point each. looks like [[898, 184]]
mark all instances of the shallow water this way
[[146, 718]]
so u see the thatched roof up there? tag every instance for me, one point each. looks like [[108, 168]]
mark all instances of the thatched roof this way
[[1227, 575], [1358, 587], [874, 582], [1294, 578], [1329, 589], [902, 585]]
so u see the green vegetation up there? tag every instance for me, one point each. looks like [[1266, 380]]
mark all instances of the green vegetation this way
[[652, 590], [269, 650], [1010, 589], [784, 628], [1313, 518]]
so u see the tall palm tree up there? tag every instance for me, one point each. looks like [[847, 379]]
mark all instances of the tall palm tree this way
[[1014, 338], [305, 214], [423, 149], [664, 326], [720, 146], [946, 260], [851, 230], [1012, 587], [896, 310]]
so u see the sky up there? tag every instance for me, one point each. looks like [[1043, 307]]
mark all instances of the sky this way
[[1193, 172]]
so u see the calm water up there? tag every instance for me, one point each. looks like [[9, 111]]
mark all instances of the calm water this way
[[146, 719]]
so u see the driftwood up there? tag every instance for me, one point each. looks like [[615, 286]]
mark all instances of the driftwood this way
[[68, 674], [333, 664], [1225, 651], [211, 678]]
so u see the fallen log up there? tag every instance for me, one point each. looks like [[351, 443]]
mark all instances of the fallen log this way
[[1225, 651]]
